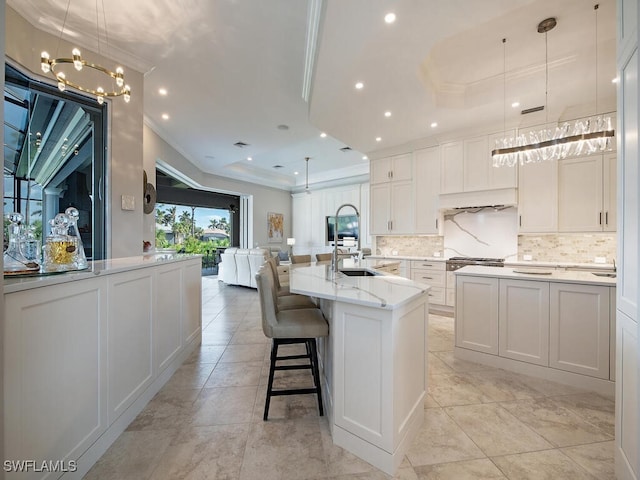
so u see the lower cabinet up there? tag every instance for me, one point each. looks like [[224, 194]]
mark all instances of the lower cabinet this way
[[431, 273], [524, 321], [477, 313], [565, 326], [579, 329]]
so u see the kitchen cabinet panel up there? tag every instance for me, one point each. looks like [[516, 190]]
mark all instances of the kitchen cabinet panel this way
[[395, 168], [392, 208], [587, 194], [477, 314], [432, 274], [427, 190], [476, 164], [579, 329], [501, 177], [452, 180], [524, 321], [538, 197], [627, 398]]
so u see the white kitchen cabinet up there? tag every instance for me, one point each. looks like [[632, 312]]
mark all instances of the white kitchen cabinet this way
[[450, 294], [586, 194], [431, 273], [501, 177], [579, 329], [476, 164], [524, 321], [392, 208], [627, 398], [452, 180], [427, 190], [395, 168], [55, 364], [167, 333], [477, 313], [538, 197]]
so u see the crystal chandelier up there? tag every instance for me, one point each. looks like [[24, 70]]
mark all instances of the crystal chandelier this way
[[55, 67], [570, 139]]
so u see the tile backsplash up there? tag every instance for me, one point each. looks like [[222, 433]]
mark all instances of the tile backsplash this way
[[556, 247], [409, 246], [568, 247]]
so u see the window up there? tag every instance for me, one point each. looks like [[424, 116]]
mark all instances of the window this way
[[54, 157]]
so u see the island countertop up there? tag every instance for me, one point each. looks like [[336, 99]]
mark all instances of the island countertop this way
[[382, 291], [98, 267], [522, 273]]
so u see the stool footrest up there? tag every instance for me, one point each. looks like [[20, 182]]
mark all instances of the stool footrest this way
[[293, 357], [293, 391], [292, 367]]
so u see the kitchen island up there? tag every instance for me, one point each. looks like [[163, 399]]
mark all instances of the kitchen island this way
[[558, 325], [374, 361], [85, 351]]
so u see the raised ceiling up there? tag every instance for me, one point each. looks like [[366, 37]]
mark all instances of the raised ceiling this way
[[235, 71]]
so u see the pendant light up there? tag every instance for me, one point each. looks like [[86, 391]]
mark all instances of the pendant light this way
[[306, 187]]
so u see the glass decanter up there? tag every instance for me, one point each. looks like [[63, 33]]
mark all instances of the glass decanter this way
[[73, 215], [60, 250], [30, 244], [14, 261]]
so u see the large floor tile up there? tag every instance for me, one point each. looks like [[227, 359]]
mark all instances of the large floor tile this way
[[214, 452], [460, 365], [549, 464], [441, 440], [502, 385], [244, 353], [133, 456], [559, 426], [455, 389], [597, 458], [340, 461], [206, 354], [218, 406], [482, 469], [594, 408], [190, 376], [235, 375], [284, 449], [495, 430], [169, 409]]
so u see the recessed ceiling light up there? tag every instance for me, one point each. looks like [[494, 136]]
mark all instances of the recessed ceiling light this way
[[359, 85], [515, 104], [390, 17], [162, 91], [378, 139], [365, 158], [249, 159], [434, 124], [323, 135], [296, 173], [165, 116], [615, 80], [387, 114]]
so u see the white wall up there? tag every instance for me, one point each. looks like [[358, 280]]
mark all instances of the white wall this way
[[265, 199], [124, 155]]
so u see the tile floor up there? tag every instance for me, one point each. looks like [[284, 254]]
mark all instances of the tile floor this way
[[480, 422]]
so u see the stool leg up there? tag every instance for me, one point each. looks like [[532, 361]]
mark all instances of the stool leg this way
[[274, 354], [316, 373]]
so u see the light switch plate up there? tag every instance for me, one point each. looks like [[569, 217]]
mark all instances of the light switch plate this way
[[128, 202]]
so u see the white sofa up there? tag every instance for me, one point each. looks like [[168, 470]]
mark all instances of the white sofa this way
[[240, 265]]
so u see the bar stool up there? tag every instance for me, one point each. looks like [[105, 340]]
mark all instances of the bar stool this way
[[288, 327], [324, 257], [300, 258], [283, 298]]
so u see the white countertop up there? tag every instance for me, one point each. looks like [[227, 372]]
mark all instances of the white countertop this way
[[561, 276], [407, 257], [382, 291], [99, 267]]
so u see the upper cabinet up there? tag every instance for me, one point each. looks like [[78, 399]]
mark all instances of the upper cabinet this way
[[467, 166], [391, 195], [427, 189], [587, 194], [396, 168], [538, 197]]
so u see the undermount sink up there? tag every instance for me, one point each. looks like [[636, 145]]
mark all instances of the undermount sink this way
[[608, 275], [359, 273]]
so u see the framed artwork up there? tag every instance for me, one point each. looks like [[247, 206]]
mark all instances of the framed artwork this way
[[275, 227]]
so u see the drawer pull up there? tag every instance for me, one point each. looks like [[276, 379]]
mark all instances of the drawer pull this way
[[428, 278]]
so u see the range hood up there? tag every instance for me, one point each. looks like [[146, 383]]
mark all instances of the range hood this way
[[482, 198]]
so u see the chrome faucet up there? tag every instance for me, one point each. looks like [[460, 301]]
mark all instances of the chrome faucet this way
[[335, 234]]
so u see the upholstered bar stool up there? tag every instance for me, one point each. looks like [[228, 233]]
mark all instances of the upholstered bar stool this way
[[283, 298], [288, 327], [324, 257], [300, 258]]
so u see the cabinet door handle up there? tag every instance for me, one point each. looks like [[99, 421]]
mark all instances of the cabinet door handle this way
[[391, 172], [520, 220], [606, 218], [436, 223], [600, 221], [390, 224]]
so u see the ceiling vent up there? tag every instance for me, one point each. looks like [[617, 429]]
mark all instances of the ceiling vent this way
[[345, 149], [240, 144], [278, 166], [532, 110]]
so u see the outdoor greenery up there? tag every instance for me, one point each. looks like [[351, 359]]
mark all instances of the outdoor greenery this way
[[187, 235]]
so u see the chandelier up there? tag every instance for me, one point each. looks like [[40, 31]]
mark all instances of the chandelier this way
[[584, 136], [55, 67]]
